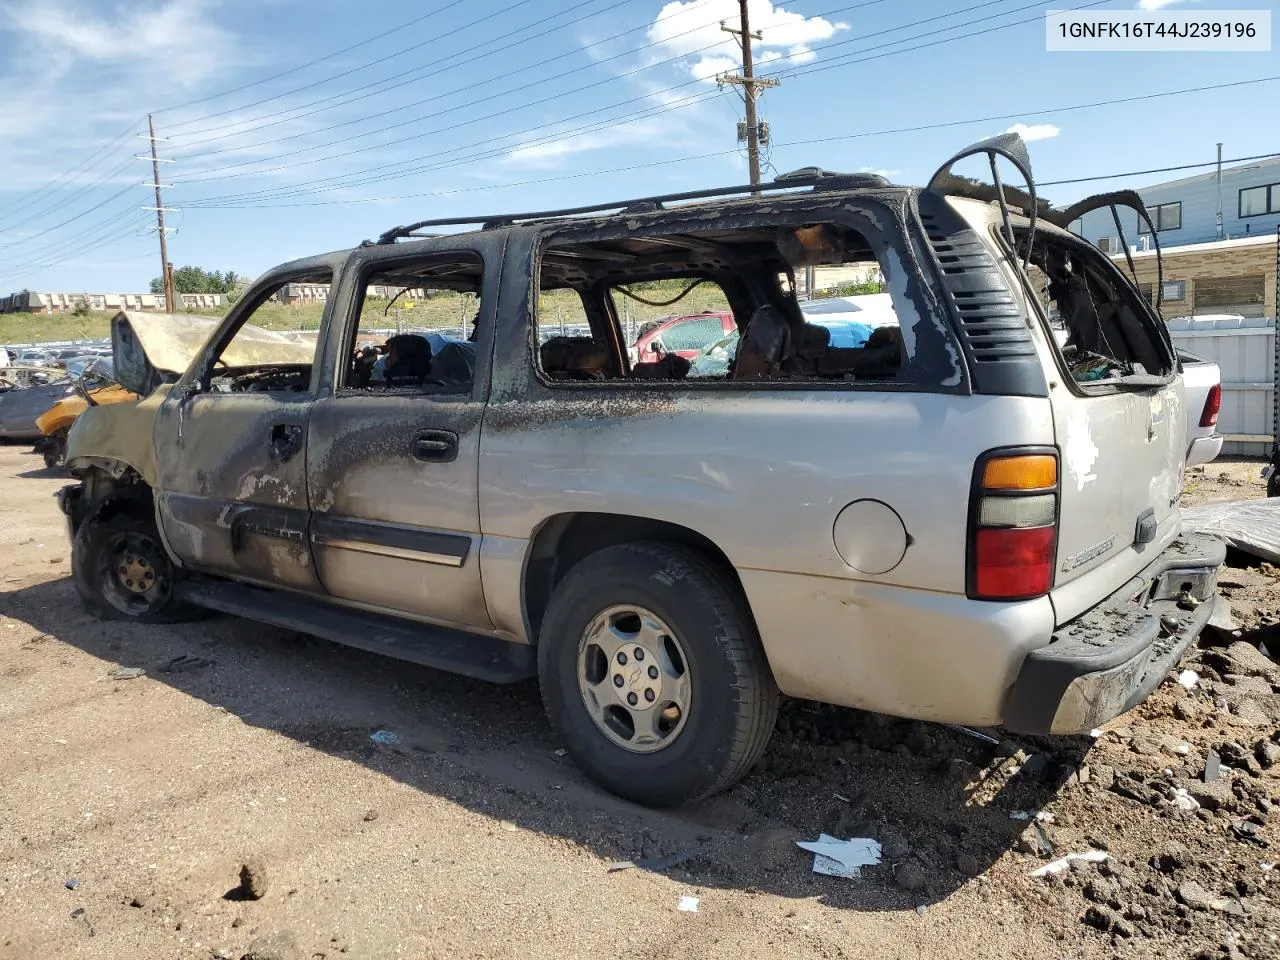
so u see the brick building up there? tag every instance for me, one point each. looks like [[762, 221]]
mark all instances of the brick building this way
[[1227, 276]]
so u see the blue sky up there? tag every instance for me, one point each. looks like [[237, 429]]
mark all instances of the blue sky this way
[[475, 106]]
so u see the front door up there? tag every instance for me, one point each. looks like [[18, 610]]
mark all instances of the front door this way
[[231, 446], [392, 454]]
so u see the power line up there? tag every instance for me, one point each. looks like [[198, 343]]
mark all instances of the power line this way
[[351, 179], [106, 178], [525, 106], [83, 167], [411, 78], [807, 142], [401, 79], [74, 250], [59, 226], [309, 63], [1142, 173]]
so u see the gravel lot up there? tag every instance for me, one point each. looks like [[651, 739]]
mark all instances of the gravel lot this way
[[128, 806]]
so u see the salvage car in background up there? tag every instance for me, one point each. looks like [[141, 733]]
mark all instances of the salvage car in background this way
[[686, 336], [26, 393], [94, 384], [958, 520]]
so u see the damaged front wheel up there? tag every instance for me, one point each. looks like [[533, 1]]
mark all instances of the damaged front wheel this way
[[122, 572]]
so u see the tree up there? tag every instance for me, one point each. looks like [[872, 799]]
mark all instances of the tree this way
[[198, 280]]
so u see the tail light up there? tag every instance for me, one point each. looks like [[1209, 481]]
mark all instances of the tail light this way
[[1212, 404], [1013, 526]]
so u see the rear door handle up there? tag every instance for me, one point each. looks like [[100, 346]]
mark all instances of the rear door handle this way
[[286, 440], [435, 446]]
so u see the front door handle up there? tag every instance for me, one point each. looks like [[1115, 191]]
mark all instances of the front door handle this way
[[435, 446], [286, 440]]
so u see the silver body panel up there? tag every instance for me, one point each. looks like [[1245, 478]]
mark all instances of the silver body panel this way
[[763, 474]]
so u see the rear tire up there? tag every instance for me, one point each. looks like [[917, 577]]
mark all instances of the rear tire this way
[[652, 671], [121, 570]]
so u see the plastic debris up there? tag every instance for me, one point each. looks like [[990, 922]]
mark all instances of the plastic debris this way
[[127, 673], [1188, 678], [72, 883], [1057, 866], [1212, 766], [688, 905], [384, 738], [975, 734], [1184, 801], [834, 857], [650, 863], [841, 797], [1041, 816], [562, 752], [1095, 733]]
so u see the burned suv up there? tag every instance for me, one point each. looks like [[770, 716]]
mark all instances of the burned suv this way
[[957, 520]]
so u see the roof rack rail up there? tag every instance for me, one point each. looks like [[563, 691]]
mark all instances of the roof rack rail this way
[[814, 177]]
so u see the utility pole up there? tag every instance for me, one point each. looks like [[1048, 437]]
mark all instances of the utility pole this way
[[1219, 191], [166, 269], [753, 131]]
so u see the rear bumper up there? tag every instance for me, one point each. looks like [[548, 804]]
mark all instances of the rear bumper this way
[[1109, 659], [1204, 450]]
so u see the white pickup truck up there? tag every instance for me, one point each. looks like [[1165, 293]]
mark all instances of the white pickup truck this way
[[1202, 390]]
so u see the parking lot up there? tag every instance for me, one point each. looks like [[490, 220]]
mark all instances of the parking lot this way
[[128, 807]]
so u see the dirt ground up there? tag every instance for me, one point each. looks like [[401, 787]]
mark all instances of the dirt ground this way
[[128, 806]]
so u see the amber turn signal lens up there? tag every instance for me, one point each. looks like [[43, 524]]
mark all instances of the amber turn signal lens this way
[[1030, 472]]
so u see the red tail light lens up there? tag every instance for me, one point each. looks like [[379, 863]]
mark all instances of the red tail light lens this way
[[1212, 404], [1013, 564], [1013, 525]]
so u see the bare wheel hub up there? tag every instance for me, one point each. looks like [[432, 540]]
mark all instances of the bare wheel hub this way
[[634, 678], [135, 572]]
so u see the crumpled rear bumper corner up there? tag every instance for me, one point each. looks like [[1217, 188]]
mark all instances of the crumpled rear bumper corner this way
[[1110, 659]]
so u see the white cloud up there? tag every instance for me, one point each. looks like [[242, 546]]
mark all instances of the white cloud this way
[[1035, 131], [547, 153], [1160, 4], [691, 29]]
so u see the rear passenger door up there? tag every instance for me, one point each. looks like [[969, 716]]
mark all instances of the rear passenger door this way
[[391, 466]]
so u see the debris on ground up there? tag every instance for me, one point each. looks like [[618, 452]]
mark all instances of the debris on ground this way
[[184, 663], [385, 738], [370, 816], [253, 880], [841, 858], [688, 905], [1057, 866], [1189, 678], [127, 673], [657, 864], [277, 946], [1251, 526], [72, 883]]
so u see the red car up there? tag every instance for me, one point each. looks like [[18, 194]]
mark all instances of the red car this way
[[685, 335]]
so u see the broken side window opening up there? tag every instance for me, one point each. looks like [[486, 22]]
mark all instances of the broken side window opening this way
[[1104, 330], [259, 360], [416, 327], [759, 335]]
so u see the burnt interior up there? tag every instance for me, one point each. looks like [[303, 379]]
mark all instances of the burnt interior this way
[[413, 360], [1111, 331], [755, 269]]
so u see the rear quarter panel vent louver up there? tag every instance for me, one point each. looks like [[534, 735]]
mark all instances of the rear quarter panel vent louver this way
[[990, 325]]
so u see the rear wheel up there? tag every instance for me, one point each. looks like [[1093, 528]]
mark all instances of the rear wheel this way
[[122, 572], [652, 671]]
